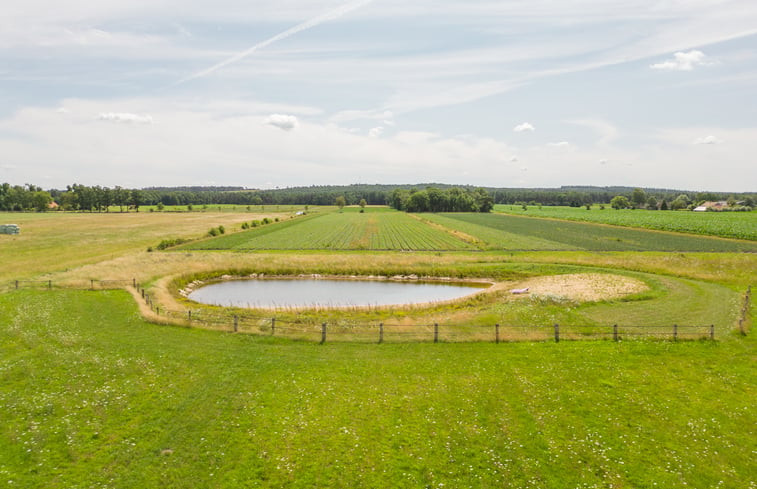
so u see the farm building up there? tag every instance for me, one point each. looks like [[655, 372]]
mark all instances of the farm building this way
[[9, 229], [715, 206]]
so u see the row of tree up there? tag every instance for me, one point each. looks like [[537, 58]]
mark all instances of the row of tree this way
[[23, 198], [433, 199]]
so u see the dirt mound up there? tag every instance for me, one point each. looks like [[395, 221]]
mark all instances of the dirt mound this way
[[582, 287]]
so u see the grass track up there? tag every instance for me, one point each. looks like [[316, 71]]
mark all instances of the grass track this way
[[90, 395]]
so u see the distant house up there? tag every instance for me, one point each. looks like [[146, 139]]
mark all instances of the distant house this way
[[715, 206], [52, 205]]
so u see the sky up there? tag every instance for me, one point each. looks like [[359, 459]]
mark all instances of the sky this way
[[265, 94]]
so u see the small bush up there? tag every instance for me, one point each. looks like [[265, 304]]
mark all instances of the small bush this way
[[168, 243], [221, 230]]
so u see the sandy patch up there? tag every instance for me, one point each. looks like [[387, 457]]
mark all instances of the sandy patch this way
[[582, 287]]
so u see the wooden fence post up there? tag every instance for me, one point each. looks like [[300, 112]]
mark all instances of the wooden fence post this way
[[712, 332], [134, 283], [273, 326], [143, 293], [615, 332], [189, 315], [236, 323], [323, 333], [557, 333], [157, 310], [49, 285], [675, 332], [16, 284], [496, 333], [92, 284], [436, 332], [381, 333]]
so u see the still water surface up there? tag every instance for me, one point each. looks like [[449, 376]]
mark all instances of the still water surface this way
[[272, 293]]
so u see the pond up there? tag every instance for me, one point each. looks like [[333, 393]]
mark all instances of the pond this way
[[276, 293]]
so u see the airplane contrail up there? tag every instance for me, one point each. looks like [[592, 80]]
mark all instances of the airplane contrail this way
[[333, 14]]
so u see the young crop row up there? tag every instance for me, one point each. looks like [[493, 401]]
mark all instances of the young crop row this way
[[341, 231], [593, 237], [399, 231], [739, 225], [491, 238]]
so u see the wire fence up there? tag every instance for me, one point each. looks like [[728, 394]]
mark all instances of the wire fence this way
[[308, 329]]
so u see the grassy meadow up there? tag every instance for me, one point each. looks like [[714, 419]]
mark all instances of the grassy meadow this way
[[94, 394]]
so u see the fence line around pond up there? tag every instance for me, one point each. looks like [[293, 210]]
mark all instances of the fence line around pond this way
[[744, 313], [386, 332]]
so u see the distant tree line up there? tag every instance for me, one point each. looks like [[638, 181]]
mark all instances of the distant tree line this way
[[23, 198], [640, 199], [418, 198]]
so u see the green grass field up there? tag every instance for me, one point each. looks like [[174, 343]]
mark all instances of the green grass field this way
[[376, 229], [739, 225], [92, 396]]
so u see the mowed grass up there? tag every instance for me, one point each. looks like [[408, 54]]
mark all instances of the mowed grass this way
[[739, 225], [92, 396], [57, 241], [375, 229], [560, 235]]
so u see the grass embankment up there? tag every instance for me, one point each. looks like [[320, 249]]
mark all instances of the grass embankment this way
[[739, 225], [90, 395]]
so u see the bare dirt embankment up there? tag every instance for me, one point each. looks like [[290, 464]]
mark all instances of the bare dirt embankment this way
[[582, 287]]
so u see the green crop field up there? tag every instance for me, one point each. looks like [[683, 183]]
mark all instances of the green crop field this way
[[375, 229], [96, 392], [559, 235], [739, 225]]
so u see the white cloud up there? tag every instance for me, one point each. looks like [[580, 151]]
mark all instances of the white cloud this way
[[708, 140], [607, 132], [125, 117], [683, 61], [524, 127], [514, 159], [282, 121], [603, 161], [561, 144], [376, 132]]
